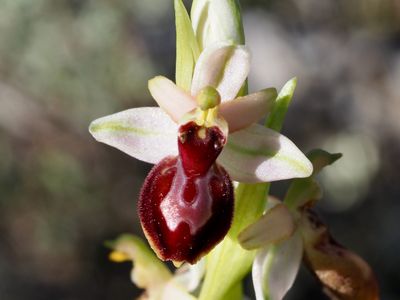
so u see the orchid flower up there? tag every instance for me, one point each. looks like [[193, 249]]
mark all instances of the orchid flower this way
[[187, 220], [290, 232], [203, 136]]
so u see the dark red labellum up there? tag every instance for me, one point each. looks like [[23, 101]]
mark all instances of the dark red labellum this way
[[186, 202]]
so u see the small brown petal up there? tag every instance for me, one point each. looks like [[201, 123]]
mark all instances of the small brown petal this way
[[344, 275]]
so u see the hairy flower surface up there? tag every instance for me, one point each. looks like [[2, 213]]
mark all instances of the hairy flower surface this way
[[186, 203]]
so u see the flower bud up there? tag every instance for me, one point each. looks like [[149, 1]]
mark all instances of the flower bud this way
[[217, 21]]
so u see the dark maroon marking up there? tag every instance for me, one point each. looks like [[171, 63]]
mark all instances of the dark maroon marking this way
[[185, 209], [199, 154]]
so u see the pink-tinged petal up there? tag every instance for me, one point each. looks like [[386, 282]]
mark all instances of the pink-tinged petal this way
[[146, 133], [172, 99], [244, 111], [275, 225], [344, 274], [224, 67], [259, 154], [275, 268]]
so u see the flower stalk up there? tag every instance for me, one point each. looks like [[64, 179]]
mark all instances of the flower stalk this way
[[229, 257]]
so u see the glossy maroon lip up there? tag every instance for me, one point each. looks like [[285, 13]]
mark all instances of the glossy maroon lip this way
[[186, 202]]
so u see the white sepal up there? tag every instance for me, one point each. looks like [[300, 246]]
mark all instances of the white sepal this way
[[259, 154], [146, 133]]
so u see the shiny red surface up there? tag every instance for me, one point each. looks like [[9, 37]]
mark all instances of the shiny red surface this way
[[199, 154], [186, 202]]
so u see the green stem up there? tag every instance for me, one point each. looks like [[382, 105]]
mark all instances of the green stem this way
[[228, 263]]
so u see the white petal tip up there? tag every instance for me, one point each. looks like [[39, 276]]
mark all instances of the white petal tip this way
[[307, 168], [93, 128], [155, 80]]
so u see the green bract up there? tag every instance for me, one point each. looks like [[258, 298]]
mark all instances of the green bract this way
[[187, 49]]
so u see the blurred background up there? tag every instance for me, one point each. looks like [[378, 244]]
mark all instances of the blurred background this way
[[64, 63]]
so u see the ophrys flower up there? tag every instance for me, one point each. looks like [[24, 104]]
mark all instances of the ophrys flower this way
[[186, 203]]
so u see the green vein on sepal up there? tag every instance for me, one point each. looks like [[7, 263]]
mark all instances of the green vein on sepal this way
[[267, 153], [113, 126]]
